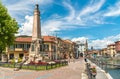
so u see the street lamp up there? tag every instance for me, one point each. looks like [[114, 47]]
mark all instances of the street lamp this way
[[56, 49]]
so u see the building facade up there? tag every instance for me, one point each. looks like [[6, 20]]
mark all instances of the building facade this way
[[52, 48], [117, 47], [111, 50], [82, 48], [20, 48]]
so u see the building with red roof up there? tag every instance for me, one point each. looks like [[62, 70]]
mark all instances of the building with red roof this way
[[50, 45]]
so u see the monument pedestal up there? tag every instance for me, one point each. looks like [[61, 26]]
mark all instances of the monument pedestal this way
[[35, 58]]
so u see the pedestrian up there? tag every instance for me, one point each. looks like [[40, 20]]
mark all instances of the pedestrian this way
[[16, 60], [85, 59]]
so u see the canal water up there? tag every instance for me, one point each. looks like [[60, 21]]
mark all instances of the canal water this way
[[115, 73]]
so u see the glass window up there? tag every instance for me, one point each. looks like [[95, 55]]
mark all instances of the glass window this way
[[25, 46], [46, 47], [41, 47], [28, 46], [11, 47]]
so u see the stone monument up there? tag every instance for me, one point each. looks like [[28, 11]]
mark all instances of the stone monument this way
[[34, 52]]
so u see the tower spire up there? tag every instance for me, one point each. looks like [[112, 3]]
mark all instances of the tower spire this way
[[86, 45], [37, 7], [36, 32]]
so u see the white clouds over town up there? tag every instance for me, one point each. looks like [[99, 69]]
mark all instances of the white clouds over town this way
[[75, 18], [26, 28], [98, 43], [90, 15]]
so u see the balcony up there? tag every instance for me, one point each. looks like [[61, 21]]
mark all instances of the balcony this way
[[18, 49]]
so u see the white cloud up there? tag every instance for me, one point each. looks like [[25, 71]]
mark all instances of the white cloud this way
[[50, 26], [72, 20], [92, 8], [71, 15], [57, 23], [81, 39], [21, 8], [113, 10], [26, 27], [99, 43], [53, 25], [47, 27], [91, 14], [84, 17]]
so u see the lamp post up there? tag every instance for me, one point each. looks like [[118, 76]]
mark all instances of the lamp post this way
[[56, 54]]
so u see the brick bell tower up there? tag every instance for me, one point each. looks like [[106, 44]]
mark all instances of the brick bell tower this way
[[34, 53]]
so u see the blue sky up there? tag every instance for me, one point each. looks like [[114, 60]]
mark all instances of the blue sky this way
[[95, 20]]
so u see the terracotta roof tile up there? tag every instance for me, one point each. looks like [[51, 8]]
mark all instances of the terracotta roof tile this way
[[68, 41], [23, 39], [49, 38], [111, 45]]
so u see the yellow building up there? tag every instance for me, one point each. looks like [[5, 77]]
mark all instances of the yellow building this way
[[104, 52], [69, 48], [51, 48], [20, 48], [111, 50], [60, 49]]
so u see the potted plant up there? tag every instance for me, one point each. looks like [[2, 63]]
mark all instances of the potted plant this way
[[93, 71]]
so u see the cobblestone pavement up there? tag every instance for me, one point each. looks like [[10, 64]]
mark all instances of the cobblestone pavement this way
[[73, 71]]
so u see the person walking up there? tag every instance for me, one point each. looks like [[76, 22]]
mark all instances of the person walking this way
[[85, 59]]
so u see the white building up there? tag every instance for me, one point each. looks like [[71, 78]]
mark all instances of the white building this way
[[82, 48]]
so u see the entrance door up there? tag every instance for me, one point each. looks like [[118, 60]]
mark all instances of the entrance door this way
[[21, 55], [81, 54]]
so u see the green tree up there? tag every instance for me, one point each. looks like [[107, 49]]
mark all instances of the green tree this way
[[8, 28]]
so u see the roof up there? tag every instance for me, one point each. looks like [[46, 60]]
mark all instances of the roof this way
[[111, 45], [68, 41], [49, 39], [29, 39], [93, 51], [23, 39], [117, 42], [45, 39]]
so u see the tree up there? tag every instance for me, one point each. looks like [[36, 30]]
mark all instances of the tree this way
[[8, 28]]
